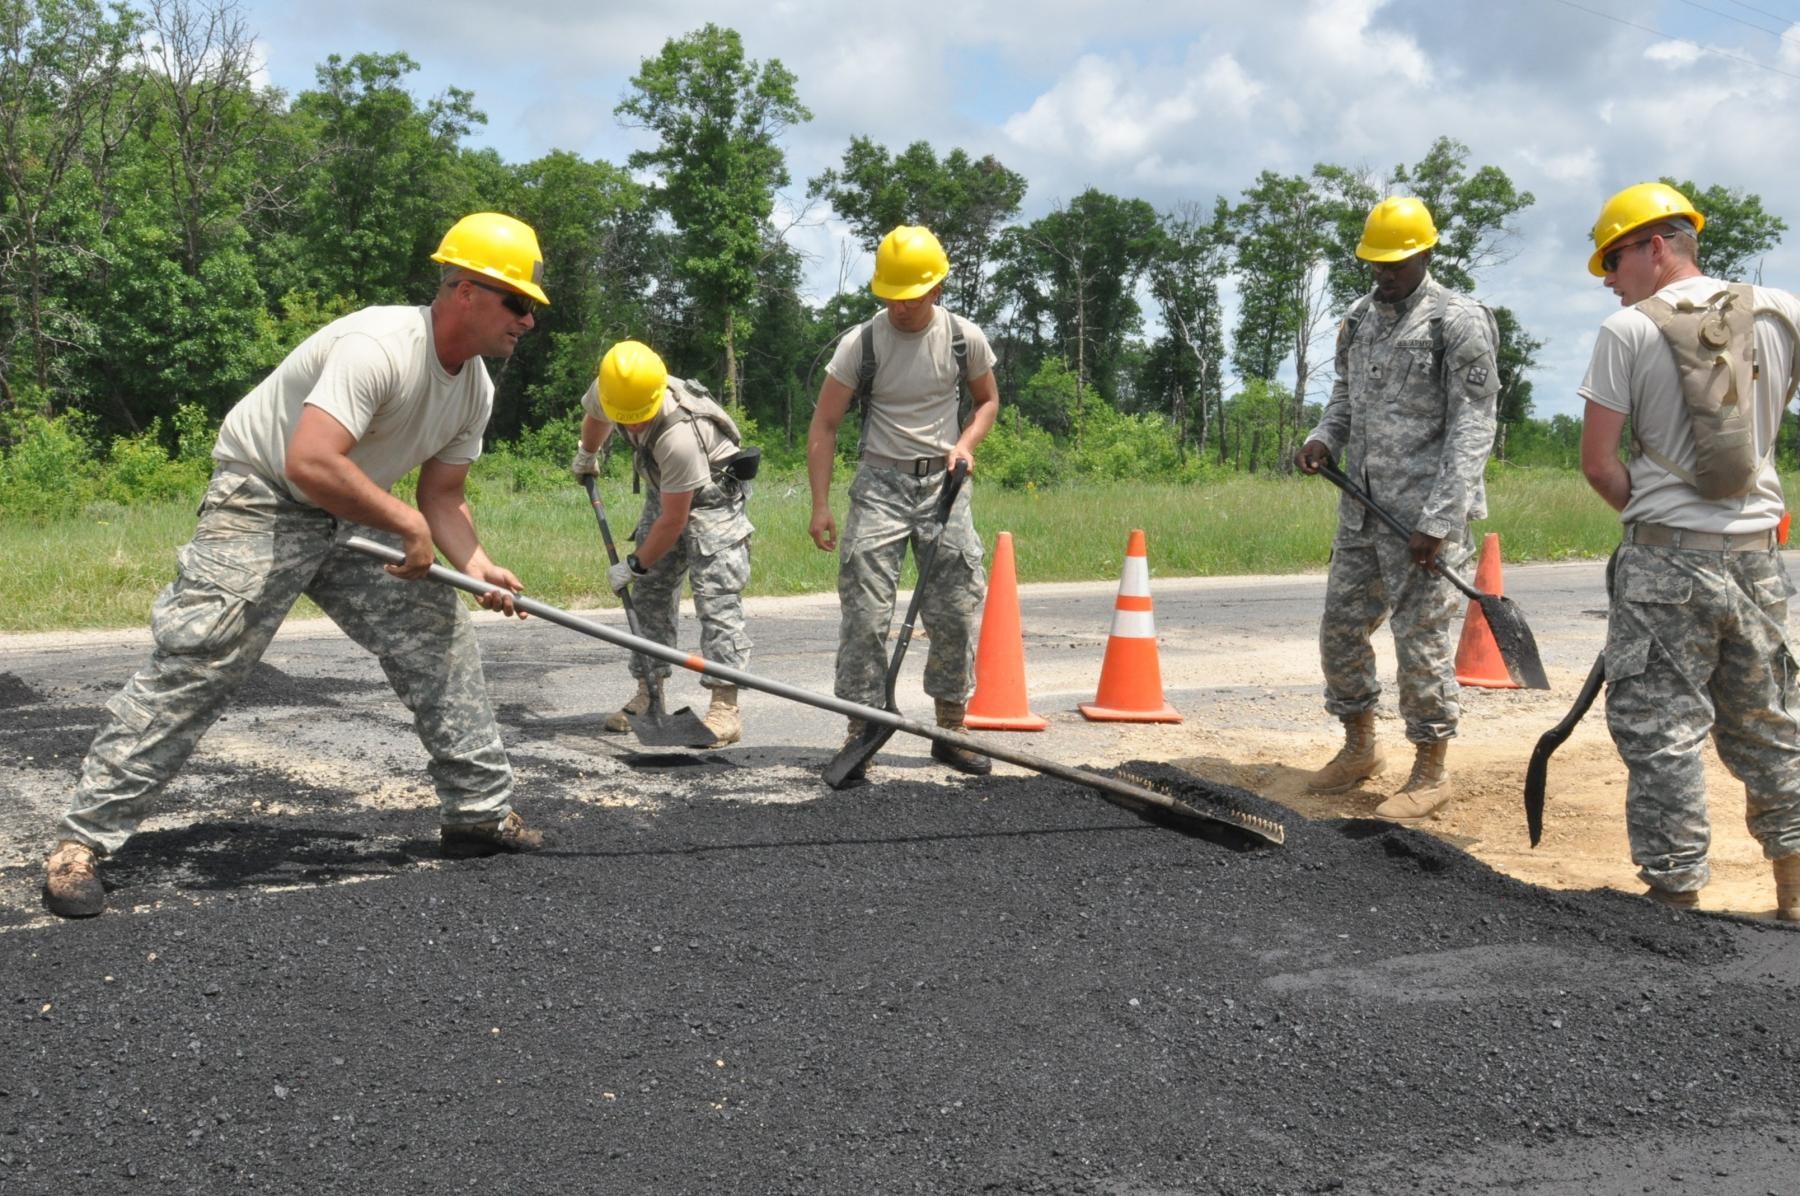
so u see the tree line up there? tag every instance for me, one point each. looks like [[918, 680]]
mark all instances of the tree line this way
[[169, 230]]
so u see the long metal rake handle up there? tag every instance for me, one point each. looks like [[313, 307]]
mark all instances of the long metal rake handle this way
[[1261, 827]]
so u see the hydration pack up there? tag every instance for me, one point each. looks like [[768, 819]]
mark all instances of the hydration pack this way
[[1714, 344]]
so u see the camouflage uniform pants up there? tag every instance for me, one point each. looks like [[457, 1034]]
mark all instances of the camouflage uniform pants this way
[[889, 510], [1698, 642], [254, 552], [1374, 582], [718, 579]]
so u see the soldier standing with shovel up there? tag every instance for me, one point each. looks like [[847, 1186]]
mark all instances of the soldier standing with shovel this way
[[1411, 415], [907, 364]]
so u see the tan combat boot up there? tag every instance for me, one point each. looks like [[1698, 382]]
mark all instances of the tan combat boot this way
[[1787, 888], [1674, 898], [72, 886], [509, 835], [618, 721], [1359, 759], [950, 717], [722, 717], [1427, 790]]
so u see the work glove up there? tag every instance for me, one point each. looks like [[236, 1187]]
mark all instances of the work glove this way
[[585, 464], [623, 574]]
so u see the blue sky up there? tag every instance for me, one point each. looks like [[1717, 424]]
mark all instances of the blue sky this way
[[1173, 102]]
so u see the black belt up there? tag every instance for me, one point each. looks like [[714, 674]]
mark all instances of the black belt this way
[[918, 467], [1657, 535]]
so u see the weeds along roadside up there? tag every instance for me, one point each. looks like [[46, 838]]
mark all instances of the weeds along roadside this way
[[101, 566]]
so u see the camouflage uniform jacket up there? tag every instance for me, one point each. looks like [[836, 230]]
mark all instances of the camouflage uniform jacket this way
[[1414, 432]]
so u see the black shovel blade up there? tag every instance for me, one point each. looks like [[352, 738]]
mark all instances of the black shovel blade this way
[[846, 768], [680, 728], [1537, 781], [1518, 647]]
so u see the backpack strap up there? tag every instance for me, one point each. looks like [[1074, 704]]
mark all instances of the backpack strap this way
[[865, 384], [1354, 317]]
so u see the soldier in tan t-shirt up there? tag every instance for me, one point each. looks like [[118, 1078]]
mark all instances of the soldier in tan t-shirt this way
[[305, 460], [910, 440], [693, 526], [1697, 637]]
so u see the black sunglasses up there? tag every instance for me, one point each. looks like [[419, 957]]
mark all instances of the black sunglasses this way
[[519, 305], [1610, 261]]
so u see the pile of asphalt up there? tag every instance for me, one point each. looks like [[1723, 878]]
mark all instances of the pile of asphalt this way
[[997, 987]]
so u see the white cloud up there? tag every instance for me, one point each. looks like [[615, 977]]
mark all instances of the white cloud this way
[[1674, 53], [1167, 100]]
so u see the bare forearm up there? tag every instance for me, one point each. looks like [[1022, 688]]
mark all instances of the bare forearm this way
[[341, 488], [452, 526], [661, 537], [594, 433], [821, 448], [1610, 480], [981, 422]]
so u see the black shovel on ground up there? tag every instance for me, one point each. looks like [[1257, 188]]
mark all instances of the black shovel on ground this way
[[845, 767], [655, 727], [1225, 816], [1518, 647]]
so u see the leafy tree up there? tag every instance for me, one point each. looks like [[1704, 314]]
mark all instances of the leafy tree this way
[[1738, 229], [207, 117], [1253, 426], [1185, 274], [964, 201], [67, 101], [387, 184], [1471, 211], [1289, 233], [1516, 359], [1075, 270], [1051, 399], [717, 116], [602, 252]]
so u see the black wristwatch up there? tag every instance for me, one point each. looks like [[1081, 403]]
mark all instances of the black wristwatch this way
[[631, 559]]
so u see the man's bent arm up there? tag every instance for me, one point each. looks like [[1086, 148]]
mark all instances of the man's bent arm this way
[[1600, 430]]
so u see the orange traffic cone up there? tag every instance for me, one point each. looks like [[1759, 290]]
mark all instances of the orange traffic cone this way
[[999, 702], [1478, 660], [1130, 677]]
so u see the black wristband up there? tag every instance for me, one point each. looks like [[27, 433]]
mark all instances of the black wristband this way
[[631, 559]]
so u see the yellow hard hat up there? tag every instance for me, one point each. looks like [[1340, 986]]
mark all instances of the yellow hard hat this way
[[499, 246], [1633, 208], [633, 381], [908, 263], [1398, 227]]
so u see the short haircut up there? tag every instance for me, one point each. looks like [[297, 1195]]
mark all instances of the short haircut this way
[[1679, 234]]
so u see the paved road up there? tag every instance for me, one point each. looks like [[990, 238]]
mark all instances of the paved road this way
[[916, 987]]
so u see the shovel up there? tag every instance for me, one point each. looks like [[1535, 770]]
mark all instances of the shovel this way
[[1537, 773], [854, 756], [1223, 813], [655, 727], [1518, 647]]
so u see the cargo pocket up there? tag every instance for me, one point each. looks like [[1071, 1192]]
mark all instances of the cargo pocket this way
[[1771, 591], [1652, 588], [1627, 658], [205, 607], [130, 715]]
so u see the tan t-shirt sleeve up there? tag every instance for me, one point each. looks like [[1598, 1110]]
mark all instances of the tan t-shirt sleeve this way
[[846, 359], [357, 377]]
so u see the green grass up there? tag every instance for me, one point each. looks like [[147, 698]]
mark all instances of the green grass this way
[[103, 569]]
